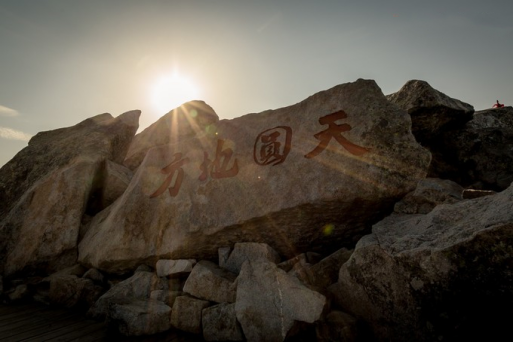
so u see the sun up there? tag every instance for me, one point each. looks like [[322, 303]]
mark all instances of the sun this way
[[171, 91]]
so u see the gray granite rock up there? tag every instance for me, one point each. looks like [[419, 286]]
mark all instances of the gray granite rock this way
[[250, 251], [210, 282], [187, 313], [220, 324], [140, 317]]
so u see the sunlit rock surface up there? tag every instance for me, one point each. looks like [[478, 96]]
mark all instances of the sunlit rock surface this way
[[311, 175], [45, 189], [181, 123]]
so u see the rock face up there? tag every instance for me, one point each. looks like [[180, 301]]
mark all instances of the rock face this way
[[444, 275], [432, 112], [307, 176], [269, 301], [45, 190], [481, 153], [186, 121]]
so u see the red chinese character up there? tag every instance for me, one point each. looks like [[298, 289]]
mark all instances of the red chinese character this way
[[175, 166], [218, 167], [269, 150], [335, 131]]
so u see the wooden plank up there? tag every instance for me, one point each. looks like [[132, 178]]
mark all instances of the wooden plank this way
[[65, 331], [100, 335], [15, 311], [49, 325], [37, 319], [81, 329], [9, 309], [17, 319]]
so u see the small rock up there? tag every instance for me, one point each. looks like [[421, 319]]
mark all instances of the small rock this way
[[428, 194], [76, 270], [223, 254], [220, 324], [324, 273], [143, 268], [186, 314], [476, 193], [139, 286], [337, 327], [287, 265], [171, 268], [95, 275], [20, 293], [141, 317], [167, 297], [210, 282], [252, 252], [70, 291], [313, 257]]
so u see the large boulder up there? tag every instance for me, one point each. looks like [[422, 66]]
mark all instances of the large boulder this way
[[431, 111], [269, 301], [481, 153], [46, 188], [186, 121], [445, 275], [314, 175]]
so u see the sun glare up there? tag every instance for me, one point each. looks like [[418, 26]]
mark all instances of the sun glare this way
[[171, 91]]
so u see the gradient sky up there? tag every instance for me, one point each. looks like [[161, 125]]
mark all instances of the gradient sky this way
[[62, 61]]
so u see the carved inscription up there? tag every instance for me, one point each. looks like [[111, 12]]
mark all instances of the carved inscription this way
[[174, 167], [218, 168], [335, 130], [272, 146]]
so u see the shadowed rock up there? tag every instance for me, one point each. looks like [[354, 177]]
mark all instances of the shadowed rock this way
[[45, 190], [444, 275]]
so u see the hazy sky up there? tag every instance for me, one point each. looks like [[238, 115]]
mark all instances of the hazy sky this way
[[62, 61]]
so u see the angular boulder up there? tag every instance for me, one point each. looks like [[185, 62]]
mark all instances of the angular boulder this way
[[45, 190], [445, 275], [139, 286], [249, 251], [269, 301], [428, 194], [140, 317], [170, 268], [481, 153], [210, 282], [70, 291], [298, 178], [431, 111], [188, 120], [220, 324], [322, 274], [187, 313]]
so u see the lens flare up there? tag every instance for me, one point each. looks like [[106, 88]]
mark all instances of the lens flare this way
[[328, 229]]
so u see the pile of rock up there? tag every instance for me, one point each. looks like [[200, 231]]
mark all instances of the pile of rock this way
[[249, 295], [324, 220]]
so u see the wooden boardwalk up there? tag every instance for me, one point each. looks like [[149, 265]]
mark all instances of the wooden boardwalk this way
[[36, 322]]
